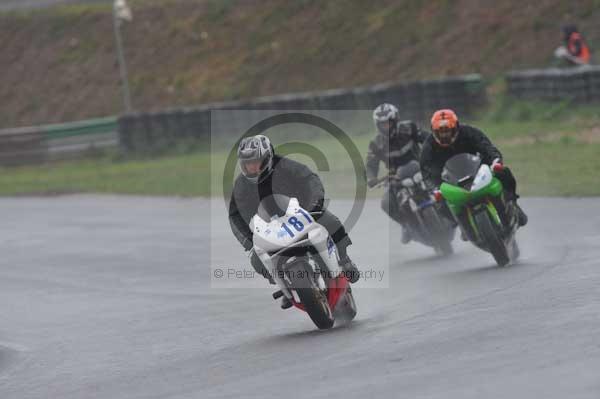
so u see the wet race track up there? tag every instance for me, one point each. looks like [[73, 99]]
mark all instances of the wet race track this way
[[110, 297]]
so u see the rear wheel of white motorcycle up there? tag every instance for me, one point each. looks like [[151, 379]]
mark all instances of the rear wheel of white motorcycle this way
[[311, 296], [492, 237]]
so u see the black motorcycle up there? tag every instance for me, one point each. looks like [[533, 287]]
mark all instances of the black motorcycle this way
[[424, 219]]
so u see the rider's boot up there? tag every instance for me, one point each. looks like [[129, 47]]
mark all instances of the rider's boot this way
[[349, 267], [521, 216], [285, 303]]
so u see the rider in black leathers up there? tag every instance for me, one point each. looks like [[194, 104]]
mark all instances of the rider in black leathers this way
[[279, 175], [451, 138], [396, 144]]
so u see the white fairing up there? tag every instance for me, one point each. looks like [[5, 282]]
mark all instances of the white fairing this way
[[482, 179], [296, 228], [272, 236]]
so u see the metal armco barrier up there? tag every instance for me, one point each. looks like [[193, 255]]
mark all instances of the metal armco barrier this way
[[22, 146], [156, 131], [38, 144], [579, 84]]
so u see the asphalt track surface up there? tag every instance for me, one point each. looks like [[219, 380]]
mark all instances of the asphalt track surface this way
[[109, 297]]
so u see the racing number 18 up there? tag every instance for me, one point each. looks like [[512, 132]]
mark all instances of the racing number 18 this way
[[298, 225]]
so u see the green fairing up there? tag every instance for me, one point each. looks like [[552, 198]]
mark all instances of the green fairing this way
[[457, 197]]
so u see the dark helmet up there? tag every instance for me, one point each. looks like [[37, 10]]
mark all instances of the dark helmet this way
[[255, 157], [385, 117]]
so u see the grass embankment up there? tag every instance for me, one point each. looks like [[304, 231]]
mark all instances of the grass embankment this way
[[58, 64], [553, 149]]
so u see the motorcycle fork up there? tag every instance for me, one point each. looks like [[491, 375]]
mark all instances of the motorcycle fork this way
[[467, 218], [470, 222], [493, 211], [502, 210]]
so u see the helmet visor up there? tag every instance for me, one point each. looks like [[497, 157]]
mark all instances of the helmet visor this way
[[445, 135], [253, 167], [384, 127]]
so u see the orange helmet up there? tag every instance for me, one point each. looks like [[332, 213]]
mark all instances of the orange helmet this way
[[444, 126]]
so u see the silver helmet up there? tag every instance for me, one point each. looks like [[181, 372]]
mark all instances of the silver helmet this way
[[385, 117], [255, 157]]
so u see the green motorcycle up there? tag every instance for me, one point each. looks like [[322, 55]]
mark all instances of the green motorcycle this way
[[476, 198]]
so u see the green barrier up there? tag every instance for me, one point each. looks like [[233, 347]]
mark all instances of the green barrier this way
[[90, 126]]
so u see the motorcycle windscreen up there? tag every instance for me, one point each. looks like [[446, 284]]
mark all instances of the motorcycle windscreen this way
[[461, 167], [275, 205]]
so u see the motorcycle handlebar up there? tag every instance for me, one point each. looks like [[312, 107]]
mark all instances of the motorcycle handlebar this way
[[384, 179]]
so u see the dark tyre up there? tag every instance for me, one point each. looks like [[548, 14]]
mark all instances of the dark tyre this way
[[437, 231], [311, 296], [492, 237]]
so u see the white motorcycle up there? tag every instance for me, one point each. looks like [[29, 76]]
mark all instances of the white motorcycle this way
[[303, 260]]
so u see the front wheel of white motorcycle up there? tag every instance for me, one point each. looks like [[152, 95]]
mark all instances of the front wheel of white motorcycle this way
[[311, 296]]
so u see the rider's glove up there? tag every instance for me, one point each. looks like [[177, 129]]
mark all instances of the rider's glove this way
[[247, 244], [497, 165], [259, 267], [437, 195], [316, 205], [371, 183]]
